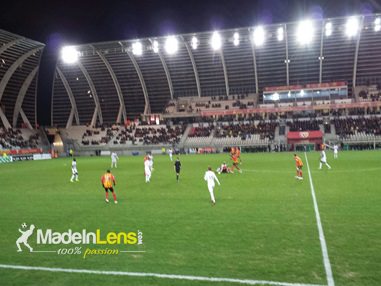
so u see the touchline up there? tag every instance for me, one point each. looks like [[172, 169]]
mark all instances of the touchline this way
[[85, 237]]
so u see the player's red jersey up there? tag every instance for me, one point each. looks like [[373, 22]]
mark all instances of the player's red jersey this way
[[108, 180], [235, 159]]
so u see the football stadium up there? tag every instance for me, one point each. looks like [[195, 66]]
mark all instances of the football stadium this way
[[240, 156]]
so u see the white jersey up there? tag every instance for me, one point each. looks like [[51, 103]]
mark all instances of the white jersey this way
[[170, 152], [323, 156], [147, 166], [335, 148], [74, 167], [210, 177], [114, 157]]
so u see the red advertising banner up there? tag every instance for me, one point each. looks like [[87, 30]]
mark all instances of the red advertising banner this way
[[22, 151], [302, 135]]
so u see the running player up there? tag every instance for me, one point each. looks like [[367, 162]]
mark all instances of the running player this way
[[323, 158], [108, 183], [335, 151], [74, 171], [177, 168], [299, 166], [210, 177], [235, 163], [170, 152]]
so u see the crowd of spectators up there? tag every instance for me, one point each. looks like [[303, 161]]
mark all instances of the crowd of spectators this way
[[246, 130], [307, 125], [12, 138], [204, 131], [163, 135], [351, 126]]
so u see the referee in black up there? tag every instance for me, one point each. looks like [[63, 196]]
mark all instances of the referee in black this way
[[177, 168]]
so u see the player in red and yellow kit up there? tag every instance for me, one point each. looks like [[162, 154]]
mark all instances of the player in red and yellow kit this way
[[235, 163], [108, 183], [299, 166]]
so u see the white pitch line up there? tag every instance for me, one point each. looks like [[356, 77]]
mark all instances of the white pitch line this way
[[156, 275], [323, 244]]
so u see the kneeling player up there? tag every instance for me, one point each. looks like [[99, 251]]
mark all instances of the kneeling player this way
[[108, 183], [224, 169]]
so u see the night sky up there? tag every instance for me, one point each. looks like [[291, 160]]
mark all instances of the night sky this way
[[58, 23]]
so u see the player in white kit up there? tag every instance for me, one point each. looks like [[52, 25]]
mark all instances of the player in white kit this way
[[147, 169], [323, 159], [210, 177], [74, 171], [170, 153], [114, 159], [335, 151]]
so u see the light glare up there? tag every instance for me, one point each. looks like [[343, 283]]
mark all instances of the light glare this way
[[155, 46], [352, 27], [280, 34], [137, 48], [216, 41], [194, 43], [305, 32], [328, 29], [259, 36], [377, 24], [171, 45], [69, 55], [236, 39]]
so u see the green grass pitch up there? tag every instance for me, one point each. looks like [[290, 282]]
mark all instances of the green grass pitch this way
[[263, 226]]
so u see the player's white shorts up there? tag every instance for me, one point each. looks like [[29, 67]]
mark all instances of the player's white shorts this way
[[147, 172], [74, 171]]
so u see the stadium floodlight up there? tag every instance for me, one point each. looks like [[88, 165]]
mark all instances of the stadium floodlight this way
[[194, 43], [236, 39], [289, 94], [137, 48], [216, 41], [352, 27], [276, 96], [155, 46], [69, 55], [259, 36], [280, 34], [328, 29], [305, 32], [377, 24], [302, 92], [171, 45]]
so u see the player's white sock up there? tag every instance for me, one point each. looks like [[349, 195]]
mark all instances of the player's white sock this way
[[320, 165], [329, 167]]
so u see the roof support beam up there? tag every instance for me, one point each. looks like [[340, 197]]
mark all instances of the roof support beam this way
[[225, 72], [147, 107], [9, 44], [21, 95], [168, 75], [122, 107], [193, 65], [71, 97], [25, 119], [357, 54], [7, 76], [255, 67], [97, 110], [4, 119], [287, 60], [321, 52]]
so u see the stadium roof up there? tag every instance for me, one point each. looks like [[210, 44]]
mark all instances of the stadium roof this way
[[113, 80]]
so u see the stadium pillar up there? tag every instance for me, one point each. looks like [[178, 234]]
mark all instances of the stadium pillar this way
[[287, 61], [255, 68], [147, 107], [225, 72], [356, 54], [21, 95], [122, 107], [97, 109], [166, 70], [321, 52], [71, 98], [194, 66]]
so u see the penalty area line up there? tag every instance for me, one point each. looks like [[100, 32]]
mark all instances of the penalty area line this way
[[323, 243], [156, 275]]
